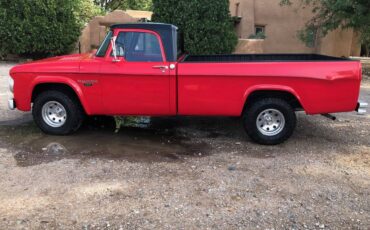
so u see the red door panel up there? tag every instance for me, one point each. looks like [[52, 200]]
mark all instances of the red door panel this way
[[135, 88], [139, 82]]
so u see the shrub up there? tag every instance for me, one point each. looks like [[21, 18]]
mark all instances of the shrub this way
[[38, 28], [206, 24], [111, 5]]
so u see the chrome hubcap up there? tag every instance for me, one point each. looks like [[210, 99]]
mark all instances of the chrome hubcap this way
[[270, 122], [54, 114]]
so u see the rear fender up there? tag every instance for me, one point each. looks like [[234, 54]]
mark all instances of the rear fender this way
[[268, 87]]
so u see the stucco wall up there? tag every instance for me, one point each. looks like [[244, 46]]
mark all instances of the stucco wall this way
[[282, 24], [94, 32], [356, 46], [338, 43], [246, 12], [250, 46]]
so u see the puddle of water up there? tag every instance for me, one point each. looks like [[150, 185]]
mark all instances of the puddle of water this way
[[158, 142], [168, 139]]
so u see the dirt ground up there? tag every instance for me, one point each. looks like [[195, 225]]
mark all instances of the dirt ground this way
[[184, 173]]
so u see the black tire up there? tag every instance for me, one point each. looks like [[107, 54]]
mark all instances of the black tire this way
[[74, 111], [252, 113]]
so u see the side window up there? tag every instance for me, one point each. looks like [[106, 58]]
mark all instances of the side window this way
[[139, 47]]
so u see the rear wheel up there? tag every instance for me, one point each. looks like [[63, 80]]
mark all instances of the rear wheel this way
[[269, 121], [57, 113]]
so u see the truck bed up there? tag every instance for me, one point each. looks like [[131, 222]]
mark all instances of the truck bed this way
[[220, 84], [260, 58]]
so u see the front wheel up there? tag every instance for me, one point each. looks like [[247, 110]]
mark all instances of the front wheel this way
[[269, 121], [57, 113]]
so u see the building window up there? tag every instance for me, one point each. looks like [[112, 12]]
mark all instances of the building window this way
[[259, 32], [260, 29]]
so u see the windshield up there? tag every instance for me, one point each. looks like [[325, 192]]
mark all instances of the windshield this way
[[104, 46]]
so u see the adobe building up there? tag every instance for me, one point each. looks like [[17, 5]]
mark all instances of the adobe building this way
[[281, 24], [95, 31]]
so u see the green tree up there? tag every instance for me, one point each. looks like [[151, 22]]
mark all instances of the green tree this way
[[334, 14], [38, 28], [110, 5], [206, 24], [85, 10]]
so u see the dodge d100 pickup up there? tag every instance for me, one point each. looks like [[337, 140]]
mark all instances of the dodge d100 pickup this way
[[141, 70]]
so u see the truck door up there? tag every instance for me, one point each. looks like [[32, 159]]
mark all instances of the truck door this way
[[136, 82]]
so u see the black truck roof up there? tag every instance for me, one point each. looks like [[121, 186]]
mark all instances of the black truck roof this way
[[167, 32]]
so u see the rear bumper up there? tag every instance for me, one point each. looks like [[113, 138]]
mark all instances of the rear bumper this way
[[361, 108], [11, 104]]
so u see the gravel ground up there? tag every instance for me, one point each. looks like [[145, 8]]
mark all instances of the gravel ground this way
[[184, 173]]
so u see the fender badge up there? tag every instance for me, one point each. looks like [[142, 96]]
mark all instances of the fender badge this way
[[87, 83]]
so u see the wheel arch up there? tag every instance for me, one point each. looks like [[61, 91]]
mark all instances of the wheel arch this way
[[282, 92], [60, 84]]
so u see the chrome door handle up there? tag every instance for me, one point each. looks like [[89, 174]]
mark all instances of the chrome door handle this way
[[162, 67]]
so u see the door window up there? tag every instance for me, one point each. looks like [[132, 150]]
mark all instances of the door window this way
[[139, 47]]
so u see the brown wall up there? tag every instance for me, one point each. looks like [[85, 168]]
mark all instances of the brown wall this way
[[282, 24], [94, 32], [338, 43]]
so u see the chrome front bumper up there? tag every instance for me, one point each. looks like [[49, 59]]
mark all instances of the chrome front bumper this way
[[361, 108], [11, 104]]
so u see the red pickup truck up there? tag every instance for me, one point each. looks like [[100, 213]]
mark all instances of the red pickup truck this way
[[141, 69]]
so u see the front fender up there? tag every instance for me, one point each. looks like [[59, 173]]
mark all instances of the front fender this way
[[59, 80]]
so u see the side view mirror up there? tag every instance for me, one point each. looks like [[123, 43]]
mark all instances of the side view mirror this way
[[114, 49]]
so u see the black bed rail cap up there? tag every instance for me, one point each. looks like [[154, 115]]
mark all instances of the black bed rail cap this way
[[144, 25]]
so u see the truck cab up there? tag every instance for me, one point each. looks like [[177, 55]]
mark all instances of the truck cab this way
[[139, 61]]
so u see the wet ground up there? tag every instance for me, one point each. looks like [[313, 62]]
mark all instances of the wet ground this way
[[159, 141], [184, 173]]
